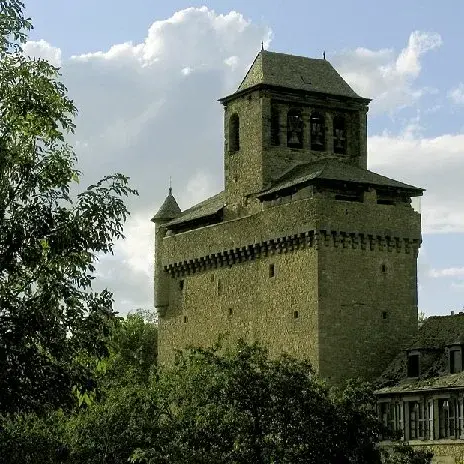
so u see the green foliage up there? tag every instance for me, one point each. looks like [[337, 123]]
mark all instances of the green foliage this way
[[235, 407], [27, 438], [133, 351], [111, 430], [49, 319], [403, 454]]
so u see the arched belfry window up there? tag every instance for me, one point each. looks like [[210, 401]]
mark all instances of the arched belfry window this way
[[275, 126], [317, 124], [339, 135], [294, 129], [234, 133]]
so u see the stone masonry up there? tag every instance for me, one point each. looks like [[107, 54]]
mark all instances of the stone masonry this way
[[305, 251]]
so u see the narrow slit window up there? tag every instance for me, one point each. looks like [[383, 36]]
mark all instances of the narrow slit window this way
[[296, 314], [384, 268], [275, 127], [234, 133], [181, 285], [384, 315], [185, 319], [231, 311], [271, 270]]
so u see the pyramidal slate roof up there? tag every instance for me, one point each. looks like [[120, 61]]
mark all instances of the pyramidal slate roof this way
[[169, 209], [296, 72], [302, 173]]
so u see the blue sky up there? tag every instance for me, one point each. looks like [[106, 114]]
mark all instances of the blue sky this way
[[404, 55]]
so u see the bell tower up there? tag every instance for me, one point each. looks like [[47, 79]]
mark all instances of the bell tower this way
[[288, 110]]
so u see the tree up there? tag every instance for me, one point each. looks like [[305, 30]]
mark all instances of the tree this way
[[237, 407], [242, 407], [52, 326], [133, 350]]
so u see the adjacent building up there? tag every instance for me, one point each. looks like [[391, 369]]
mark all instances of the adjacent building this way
[[421, 393]]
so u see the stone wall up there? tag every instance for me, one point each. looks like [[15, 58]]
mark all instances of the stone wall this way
[[367, 309], [246, 301], [257, 162], [329, 300]]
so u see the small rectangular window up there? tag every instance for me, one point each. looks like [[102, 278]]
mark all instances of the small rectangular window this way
[[296, 314], [384, 315], [455, 361], [231, 311], [219, 287], [413, 365], [271, 270], [181, 285], [185, 319]]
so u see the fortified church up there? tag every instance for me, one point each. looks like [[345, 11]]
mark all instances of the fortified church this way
[[305, 250]]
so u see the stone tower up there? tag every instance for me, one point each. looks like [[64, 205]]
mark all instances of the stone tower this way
[[305, 251]]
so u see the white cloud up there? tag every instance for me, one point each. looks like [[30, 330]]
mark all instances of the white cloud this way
[[457, 94], [387, 77], [433, 163], [42, 49], [150, 111], [447, 272]]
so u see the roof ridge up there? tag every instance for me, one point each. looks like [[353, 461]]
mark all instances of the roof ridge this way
[[249, 69], [202, 202]]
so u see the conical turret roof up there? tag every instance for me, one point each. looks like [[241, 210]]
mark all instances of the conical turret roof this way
[[169, 209]]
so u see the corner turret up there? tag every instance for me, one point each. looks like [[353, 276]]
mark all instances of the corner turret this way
[[169, 210]]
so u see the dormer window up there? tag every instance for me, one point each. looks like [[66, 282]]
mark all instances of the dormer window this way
[[234, 133], [294, 129], [339, 135], [455, 360], [317, 124], [275, 127], [413, 364]]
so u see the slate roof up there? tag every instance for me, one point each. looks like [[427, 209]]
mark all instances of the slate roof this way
[[449, 381], [302, 173], [436, 333], [206, 208], [296, 72], [169, 209]]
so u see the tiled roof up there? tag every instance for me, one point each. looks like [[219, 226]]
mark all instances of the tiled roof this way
[[302, 173], [436, 333], [206, 208], [169, 209], [296, 72], [418, 385]]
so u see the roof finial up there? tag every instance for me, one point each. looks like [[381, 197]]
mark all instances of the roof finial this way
[[323, 54], [170, 185], [262, 46]]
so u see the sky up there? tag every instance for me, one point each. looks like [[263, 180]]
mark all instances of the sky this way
[[146, 75]]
